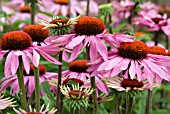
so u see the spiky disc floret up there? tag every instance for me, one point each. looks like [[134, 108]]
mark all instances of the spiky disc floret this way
[[37, 33], [77, 96], [156, 50], [133, 50], [89, 26], [15, 40], [78, 66], [42, 70]]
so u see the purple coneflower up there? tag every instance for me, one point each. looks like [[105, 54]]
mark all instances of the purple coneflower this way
[[134, 59], [28, 80]]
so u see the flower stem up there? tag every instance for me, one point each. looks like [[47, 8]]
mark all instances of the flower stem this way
[[130, 104], [88, 4], [95, 103], [167, 42], [21, 85], [93, 85], [59, 104], [33, 4], [149, 103], [37, 88], [116, 104], [69, 8], [156, 38], [127, 104]]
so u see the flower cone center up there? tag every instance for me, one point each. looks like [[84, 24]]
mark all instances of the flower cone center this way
[[157, 19], [62, 2], [89, 26], [25, 9], [16, 40], [76, 93], [60, 20], [42, 70], [37, 33], [133, 50], [131, 83], [78, 66], [156, 50], [74, 80]]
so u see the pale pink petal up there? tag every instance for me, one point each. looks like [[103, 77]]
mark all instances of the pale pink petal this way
[[100, 85], [132, 69], [14, 64], [93, 51], [101, 48], [7, 68], [36, 58], [26, 62], [48, 57], [75, 41], [75, 52]]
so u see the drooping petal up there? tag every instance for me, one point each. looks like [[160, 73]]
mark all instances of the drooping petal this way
[[36, 58]]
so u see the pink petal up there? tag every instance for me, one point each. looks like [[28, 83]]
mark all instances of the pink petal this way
[[93, 51], [75, 41], [14, 64], [26, 63], [7, 68], [101, 48], [36, 58], [132, 69], [31, 85]]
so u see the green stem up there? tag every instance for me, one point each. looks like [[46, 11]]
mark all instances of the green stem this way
[[167, 42], [127, 105], [116, 104], [130, 104], [69, 8], [33, 5], [149, 103], [37, 88], [88, 4], [95, 103], [59, 104], [21, 85], [93, 85], [156, 38]]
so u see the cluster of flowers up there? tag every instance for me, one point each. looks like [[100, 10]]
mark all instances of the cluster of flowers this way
[[117, 61]]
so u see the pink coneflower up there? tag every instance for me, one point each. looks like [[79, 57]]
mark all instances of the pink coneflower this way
[[19, 44], [23, 13], [134, 59], [127, 85], [61, 7], [123, 9], [33, 111], [153, 22], [77, 69], [28, 80]]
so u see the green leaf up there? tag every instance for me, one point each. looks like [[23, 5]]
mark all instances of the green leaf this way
[[46, 88]]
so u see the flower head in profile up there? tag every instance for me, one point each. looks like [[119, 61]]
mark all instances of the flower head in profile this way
[[76, 96], [127, 85], [18, 44], [58, 24], [6, 102], [28, 80], [33, 111]]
